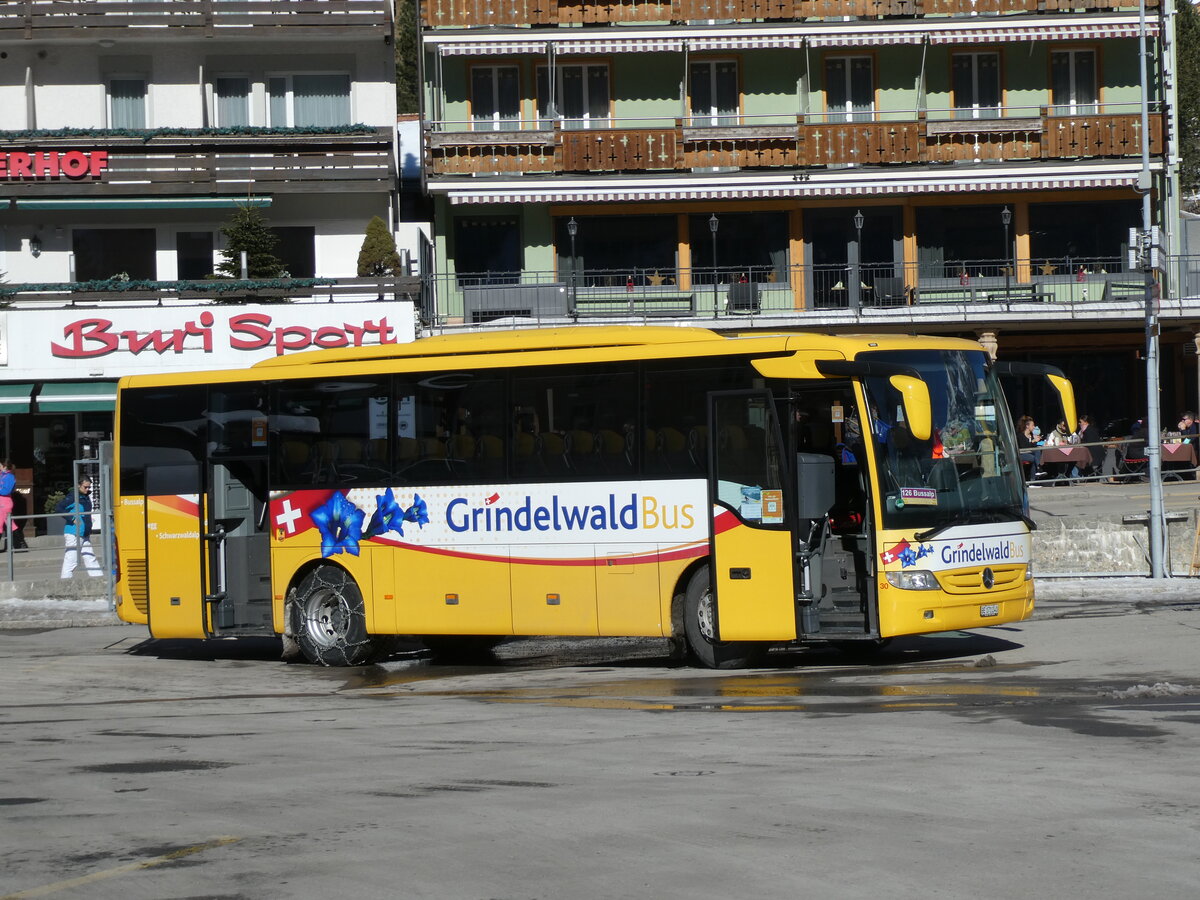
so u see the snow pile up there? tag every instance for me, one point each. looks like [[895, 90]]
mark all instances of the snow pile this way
[[1158, 689]]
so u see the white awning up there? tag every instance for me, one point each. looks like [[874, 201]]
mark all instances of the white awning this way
[[867, 188], [1081, 32], [748, 42], [866, 37]]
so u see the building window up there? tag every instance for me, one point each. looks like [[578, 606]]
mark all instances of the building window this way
[[194, 255], [619, 248], [713, 92], [1093, 235], [952, 238], [850, 88], [297, 249], [487, 250], [495, 98], [233, 101], [127, 102], [1073, 82], [750, 246], [309, 100], [580, 97], [103, 253], [976, 85]]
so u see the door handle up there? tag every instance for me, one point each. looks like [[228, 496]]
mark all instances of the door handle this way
[[741, 573]]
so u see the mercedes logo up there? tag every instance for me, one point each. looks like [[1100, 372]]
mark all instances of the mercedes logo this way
[[989, 578]]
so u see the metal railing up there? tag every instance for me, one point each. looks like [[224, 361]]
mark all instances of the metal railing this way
[[1083, 287]]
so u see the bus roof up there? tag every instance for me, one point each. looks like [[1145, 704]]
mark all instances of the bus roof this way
[[547, 346]]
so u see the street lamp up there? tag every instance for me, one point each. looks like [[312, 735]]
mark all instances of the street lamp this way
[[572, 230], [1006, 218], [713, 224], [856, 285]]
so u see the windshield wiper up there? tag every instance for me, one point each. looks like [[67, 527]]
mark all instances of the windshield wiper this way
[[962, 517]]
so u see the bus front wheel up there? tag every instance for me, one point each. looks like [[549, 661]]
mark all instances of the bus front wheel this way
[[328, 620], [699, 623]]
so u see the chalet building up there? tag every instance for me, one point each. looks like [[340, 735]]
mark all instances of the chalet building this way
[[953, 166], [131, 132]]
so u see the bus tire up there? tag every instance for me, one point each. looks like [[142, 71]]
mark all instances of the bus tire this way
[[698, 625], [327, 617]]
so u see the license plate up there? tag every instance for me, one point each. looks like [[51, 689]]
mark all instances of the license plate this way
[[989, 609]]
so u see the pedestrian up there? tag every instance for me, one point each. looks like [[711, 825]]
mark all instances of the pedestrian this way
[[77, 507], [8, 482]]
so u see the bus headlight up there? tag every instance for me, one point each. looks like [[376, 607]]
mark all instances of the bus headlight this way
[[920, 580]]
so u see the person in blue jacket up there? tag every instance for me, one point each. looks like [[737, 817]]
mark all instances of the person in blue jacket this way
[[77, 510]]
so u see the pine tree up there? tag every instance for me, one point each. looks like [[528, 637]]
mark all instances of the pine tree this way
[[378, 255], [1187, 75], [405, 44], [248, 231]]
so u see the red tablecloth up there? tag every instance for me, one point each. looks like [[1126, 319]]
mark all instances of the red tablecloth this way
[[1179, 453], [1080, 456]]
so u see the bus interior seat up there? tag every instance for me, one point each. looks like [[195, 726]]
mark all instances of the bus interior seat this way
[[553, 451], [698, 446], [325, 470], [296, 459], [672, 447]]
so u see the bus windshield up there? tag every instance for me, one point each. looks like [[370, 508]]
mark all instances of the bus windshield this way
[[967, 471]]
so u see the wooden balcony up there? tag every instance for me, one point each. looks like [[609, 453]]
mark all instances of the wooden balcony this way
[[799, 145], [213, 164], [486, 13], [49, 19]]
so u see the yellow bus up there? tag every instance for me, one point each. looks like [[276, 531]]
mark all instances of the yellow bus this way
[[731, 493]]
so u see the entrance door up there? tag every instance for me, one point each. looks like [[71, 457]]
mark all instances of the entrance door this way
[[175, 558], [826, 422], [239, 546], [752, 551]]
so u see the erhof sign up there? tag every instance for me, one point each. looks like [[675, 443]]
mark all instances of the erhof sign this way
[[18, 165], [110, 342]]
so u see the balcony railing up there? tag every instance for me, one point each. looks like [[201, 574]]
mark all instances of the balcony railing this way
[[641, 146], [191, 293], [43, 19], [194, 161], [1071, 287], [484, 13]]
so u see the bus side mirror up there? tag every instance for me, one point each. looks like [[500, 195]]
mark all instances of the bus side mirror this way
[[914, 394], [814, 485]]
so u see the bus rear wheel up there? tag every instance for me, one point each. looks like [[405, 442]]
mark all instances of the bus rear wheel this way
[[699, 623], [328, 620]]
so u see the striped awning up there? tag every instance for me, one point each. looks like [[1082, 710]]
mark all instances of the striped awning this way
[[618, 45], [864, 37], [748, 42], [1081, 32], [802, 189], [491, 48]]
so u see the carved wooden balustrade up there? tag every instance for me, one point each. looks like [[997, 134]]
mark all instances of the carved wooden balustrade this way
[[801, 144], [484, 13]]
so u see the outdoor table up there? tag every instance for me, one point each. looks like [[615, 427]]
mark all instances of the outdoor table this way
[[1066, 456], [1179, 453]]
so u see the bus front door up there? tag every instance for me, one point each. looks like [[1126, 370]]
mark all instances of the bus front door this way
[[752, 556], [175, 557], [239, 546]]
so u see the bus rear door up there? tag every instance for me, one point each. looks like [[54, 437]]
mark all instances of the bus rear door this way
[[752, 555], [175, 551]]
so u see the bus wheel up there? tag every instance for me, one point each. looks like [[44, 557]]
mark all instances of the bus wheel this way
[[329, 622], [699, 627]]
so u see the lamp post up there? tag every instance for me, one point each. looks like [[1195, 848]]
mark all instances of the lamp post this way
[[572, 230], [713, 224], [855, 286], [1006, 218]]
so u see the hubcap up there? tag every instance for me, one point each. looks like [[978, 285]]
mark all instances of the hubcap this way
[[704, 617], [325, 619]]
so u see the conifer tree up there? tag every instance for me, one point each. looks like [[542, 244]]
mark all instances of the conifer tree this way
[[405, 44], [248, 231], [378, 255], [1187, 74]]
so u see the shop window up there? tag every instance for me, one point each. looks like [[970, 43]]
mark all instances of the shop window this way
[[103, 253], [194, 254], [297, 249], [487, 249]]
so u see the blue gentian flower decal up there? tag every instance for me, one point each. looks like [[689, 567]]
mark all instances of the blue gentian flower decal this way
[[418, 512], [388, 516], [340, 523]]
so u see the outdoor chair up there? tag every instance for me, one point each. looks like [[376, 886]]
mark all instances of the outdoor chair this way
[[1133, 462]]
